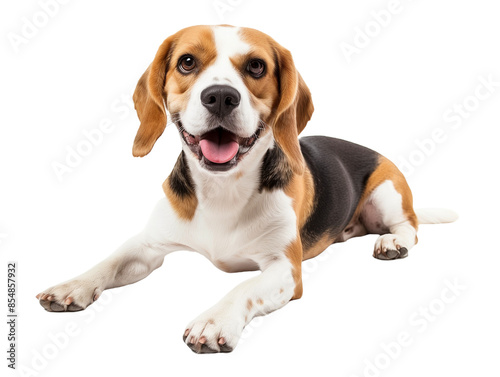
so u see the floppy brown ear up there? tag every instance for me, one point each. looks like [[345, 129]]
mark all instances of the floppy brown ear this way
[[294, 110], [149, 102]]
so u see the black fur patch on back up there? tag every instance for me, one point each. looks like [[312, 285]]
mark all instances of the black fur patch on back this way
[[275, 172], [180, 180], [340, 170]]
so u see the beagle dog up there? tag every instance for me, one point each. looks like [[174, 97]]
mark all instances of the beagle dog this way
[[245, 192]]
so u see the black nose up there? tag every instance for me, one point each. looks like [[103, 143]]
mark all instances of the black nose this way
[[220, 100]]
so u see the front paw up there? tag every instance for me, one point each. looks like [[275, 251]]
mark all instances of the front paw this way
[[214, 331], [72, 296]]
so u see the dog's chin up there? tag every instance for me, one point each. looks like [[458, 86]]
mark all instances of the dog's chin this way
[[219, 150]]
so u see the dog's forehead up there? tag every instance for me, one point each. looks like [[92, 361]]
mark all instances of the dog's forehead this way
[[193, 39], [224, 40], [229, 42]]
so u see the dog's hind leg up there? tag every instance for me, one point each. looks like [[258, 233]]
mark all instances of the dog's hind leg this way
[[388, 211]]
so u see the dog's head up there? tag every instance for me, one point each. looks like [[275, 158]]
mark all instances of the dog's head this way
[[225, 87]]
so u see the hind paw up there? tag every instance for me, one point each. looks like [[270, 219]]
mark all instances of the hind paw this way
[[388, 247]]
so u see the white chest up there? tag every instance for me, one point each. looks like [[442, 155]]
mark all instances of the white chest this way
[[234, 239]]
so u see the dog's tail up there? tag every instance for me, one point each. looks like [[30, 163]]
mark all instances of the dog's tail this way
[[435, 215]]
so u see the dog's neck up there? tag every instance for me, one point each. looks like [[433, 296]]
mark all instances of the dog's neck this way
[[231, 193]]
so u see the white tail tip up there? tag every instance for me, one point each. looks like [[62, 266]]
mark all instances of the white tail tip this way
[[435, 215]]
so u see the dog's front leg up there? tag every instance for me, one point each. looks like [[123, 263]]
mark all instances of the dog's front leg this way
[[133, 261], [219, 328]]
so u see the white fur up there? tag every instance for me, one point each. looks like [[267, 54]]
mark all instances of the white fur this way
[[435, 215]]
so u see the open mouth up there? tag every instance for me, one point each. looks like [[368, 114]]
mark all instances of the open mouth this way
[[219, 149]]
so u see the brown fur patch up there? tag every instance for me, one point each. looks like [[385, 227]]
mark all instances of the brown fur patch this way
[[304, 105], [294, 255], [180, 191], [249, 304], [185, 206], [148, 102], [301, 190], [318, 247]]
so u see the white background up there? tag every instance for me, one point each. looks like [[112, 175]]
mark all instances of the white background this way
[[80, 68]]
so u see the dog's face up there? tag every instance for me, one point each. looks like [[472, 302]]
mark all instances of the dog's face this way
[[225, 87]]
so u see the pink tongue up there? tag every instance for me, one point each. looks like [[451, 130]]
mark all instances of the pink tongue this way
[[219, 146]]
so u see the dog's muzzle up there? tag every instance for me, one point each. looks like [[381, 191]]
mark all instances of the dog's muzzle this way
[[219, 149]]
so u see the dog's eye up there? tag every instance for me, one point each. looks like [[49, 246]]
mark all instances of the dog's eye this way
[[186, 64], [256, 68]]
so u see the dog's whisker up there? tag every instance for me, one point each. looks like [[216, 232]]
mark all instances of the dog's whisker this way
[[174, 118]]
